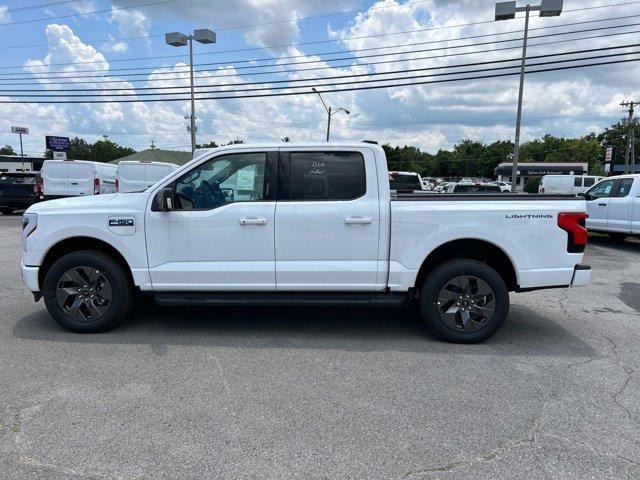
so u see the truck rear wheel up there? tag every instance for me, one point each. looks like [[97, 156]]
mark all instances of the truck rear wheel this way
[[464, 301], [87, 291]]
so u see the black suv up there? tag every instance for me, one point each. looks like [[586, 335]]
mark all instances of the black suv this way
[[19, 191]]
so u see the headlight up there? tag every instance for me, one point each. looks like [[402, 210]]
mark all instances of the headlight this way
[[29, 225]]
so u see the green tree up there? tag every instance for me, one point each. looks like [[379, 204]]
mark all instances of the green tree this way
[[106, 151], [532, 184], [79, 149], [7, 150]]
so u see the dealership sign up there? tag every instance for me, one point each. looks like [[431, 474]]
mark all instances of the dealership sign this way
[[20, 130], [58, 144]]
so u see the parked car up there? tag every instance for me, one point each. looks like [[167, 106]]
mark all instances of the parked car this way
[[19, 190], [567, 184], [134, 176], [613, 205], [218, 231], [505, 187], [473, 188], [75, 178], [201, 151], [442, 188], [405, 181]]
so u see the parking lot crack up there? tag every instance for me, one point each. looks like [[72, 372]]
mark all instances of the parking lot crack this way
[[628, 372], [494, 454]]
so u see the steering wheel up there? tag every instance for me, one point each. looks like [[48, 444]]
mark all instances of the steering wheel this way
[[212, 194]]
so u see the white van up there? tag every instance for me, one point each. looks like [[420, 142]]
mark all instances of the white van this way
[[567, 184], [132, 176], [74, 178]]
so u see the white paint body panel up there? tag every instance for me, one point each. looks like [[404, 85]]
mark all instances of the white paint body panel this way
[[616, 214], [304, 245]]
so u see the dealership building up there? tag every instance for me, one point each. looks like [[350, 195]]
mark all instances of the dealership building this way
[[16, 163], [526, 170]]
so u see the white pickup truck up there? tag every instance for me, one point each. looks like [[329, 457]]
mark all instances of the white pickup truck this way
[[614, 206], [307, 223]]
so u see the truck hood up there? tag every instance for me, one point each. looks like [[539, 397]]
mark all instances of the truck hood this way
[[86, 204]]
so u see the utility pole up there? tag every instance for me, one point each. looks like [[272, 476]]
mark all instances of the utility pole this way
[[630, 154], [153, 144]]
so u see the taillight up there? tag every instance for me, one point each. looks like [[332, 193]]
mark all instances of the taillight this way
[[541, 190], [117, 185], [38, 188], [573, 224], [96, 186]]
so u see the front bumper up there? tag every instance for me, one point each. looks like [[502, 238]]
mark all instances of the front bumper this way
[[30, 278], [581, 276]]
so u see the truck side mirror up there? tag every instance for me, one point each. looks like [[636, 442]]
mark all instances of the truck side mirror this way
[[163, 201], [582, 194]]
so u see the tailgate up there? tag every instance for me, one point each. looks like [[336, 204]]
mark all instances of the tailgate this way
[[81, 178], [17, 185]]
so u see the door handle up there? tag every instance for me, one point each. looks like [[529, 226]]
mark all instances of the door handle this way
[[253, 221], [357, 220], [74, 183], [602, 204]]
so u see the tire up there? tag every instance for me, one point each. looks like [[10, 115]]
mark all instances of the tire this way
[[74, 305], [479, 316], [618, 237], [6, 210]]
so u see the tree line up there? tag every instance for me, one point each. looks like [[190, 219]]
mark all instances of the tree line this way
[[466, 158]]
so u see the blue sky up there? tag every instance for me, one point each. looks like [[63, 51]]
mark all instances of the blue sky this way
[[567, 103]]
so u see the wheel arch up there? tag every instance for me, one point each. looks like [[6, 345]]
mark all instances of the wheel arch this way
[[474, 249], [74, 244]]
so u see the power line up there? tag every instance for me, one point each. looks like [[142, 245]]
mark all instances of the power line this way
[[81, 14], [53, 94], [277, 59], [332, 90], [129, 81], [142, 37], [453, 47], [42, 5]]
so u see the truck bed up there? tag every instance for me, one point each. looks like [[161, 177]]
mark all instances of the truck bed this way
[[481, 196]]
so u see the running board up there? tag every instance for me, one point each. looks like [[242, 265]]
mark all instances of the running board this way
[[278, 298]]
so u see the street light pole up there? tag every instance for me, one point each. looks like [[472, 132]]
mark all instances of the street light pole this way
[[507, 11], [177, 39], [330, 112], [523, 65], [192, 117]]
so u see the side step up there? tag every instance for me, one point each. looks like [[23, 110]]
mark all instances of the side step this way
[[278, 298]]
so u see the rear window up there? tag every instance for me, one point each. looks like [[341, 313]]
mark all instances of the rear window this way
[[326, 176], [399, 181], [17, 179]]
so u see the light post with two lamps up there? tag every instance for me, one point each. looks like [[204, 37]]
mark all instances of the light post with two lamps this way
[[507, 11], [177, 39]]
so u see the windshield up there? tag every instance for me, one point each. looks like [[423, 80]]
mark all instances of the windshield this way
[[398, 181]]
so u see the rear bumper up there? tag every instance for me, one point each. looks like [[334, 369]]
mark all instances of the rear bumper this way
[[581, 276]]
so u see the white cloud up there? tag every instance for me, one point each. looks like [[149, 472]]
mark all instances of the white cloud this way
[[5, 17]]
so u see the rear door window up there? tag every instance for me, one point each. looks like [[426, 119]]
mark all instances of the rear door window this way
[[323, 176], [400, 181], [589, 182], [624, 187], [577, 182]]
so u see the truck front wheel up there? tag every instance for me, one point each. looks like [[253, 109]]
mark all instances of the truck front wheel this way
[[87, 291], [464, 301]]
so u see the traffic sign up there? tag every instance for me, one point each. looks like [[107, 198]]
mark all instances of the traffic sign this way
[[59, 155], [58, 144], [21, 130]]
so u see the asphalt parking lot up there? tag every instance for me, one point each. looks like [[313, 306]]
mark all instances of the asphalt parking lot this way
[[330, 393]]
